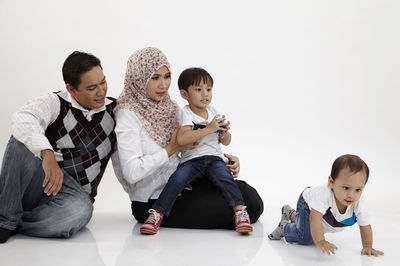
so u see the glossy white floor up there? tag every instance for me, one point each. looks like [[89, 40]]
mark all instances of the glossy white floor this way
[[114, 239]]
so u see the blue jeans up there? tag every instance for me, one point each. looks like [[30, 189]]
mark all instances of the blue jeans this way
[[212, 167], [27, 210], [298, 230]]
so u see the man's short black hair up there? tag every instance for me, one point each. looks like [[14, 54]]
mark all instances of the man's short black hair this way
[[76, 64]]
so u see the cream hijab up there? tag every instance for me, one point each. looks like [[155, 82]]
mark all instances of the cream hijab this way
[[158, 118]]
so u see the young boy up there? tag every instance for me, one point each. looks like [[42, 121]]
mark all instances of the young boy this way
[[329, 208], [202, 124]]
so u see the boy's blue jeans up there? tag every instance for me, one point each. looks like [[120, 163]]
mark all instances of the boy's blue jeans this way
[[212, 167], [26, 209], [298, 230]]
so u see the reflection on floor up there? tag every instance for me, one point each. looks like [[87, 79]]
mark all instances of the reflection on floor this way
[[114, 239]]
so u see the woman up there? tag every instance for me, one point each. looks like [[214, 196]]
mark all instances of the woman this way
[[147, 121]]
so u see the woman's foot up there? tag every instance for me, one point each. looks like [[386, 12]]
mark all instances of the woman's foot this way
[[150, 227]]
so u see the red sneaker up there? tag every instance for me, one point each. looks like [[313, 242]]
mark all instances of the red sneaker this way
[[242, 221], [150, 227]]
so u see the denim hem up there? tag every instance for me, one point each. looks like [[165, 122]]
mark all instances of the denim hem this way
[[11, 228]]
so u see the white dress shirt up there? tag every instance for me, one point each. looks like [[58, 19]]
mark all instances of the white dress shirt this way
[[30, 122], [141, 165]]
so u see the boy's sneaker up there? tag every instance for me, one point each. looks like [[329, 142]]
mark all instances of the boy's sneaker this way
[[150, 227], [4, 235], [279, 232], [242, 221], [287, 213]]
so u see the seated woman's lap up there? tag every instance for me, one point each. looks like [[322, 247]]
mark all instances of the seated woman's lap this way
[[203, 207]]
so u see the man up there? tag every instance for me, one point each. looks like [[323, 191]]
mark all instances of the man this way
[[57, 154]]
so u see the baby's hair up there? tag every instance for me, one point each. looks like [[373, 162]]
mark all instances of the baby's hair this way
[[353, 162], [194, 76]]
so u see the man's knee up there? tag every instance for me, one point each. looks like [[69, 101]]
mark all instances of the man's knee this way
[[78, 215], [69, 218]]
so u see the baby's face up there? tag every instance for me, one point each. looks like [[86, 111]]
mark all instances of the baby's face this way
[[199, 96], [347, 187]]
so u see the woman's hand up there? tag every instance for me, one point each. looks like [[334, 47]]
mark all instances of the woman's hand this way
[[173, 145], [233, 164]]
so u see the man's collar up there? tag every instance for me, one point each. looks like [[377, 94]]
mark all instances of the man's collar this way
[[67, 96]]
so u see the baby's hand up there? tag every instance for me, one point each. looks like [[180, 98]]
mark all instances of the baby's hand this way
[[371, 251], [326, 247]]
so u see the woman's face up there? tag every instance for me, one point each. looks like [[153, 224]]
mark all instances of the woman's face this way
[[158, 85]]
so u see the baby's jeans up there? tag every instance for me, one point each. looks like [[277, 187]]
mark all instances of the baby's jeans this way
[[298, 230]]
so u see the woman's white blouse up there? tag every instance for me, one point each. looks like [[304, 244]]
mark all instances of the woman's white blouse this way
[[141, 165]]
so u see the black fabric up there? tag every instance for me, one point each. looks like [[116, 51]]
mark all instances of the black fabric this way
[[203, 207], [4, 235], [83, 148]]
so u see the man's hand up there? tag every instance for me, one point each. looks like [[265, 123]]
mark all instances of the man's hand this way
[[326, 247], [233, 164], [53, 179], [371, 251]]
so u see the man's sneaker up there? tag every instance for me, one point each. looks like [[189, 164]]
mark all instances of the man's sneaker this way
[[150, 227], [4, 234], [242, 221]]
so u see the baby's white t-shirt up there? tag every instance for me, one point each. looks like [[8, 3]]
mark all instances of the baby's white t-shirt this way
[[322, 199]]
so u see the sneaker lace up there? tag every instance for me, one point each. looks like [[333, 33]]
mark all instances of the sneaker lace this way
[[242, 216], [154, 216]]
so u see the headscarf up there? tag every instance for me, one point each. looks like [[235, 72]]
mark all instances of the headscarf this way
[[158, 118]]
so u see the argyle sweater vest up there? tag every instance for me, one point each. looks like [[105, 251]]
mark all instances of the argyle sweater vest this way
[[83, 148]]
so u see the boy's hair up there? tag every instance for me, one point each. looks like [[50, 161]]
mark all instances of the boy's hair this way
[[353, 162], [76, 64], [194, 76]]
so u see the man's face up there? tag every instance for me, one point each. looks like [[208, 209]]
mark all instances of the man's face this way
[[92, 90]]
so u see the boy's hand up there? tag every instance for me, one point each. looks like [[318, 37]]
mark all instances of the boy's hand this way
[[371, 251], [173, 145], [226, 129], [215, 124], [326, 247]]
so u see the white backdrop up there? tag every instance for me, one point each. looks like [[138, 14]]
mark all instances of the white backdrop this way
[[301, 81]]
